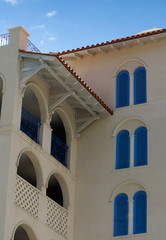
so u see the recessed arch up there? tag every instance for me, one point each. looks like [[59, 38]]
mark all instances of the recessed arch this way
[[63, 185], [140, 61], [115, 131], [18, 231], [66, 121], [121, 185], [41, 99], [36, 164], [62, 136]]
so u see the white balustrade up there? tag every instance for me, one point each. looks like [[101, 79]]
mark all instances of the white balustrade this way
[[27, 196], [57, 217]]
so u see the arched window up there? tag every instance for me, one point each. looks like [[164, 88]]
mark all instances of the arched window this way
[[122, 89], [121, 215], [140, 85], [140, 147], [122, 149], [140, 212]]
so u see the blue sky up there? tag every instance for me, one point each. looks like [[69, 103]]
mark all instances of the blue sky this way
[[57, 25]]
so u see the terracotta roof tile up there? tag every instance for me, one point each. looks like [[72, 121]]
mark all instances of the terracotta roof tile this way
[[76, 76], [137, 36]]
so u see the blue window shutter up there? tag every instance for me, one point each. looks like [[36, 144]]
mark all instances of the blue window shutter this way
[[121, 215], [122, 150], [140, 147], [122, 92], [140, 85], [140, 212]]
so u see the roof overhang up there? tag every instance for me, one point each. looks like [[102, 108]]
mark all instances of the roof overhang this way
[[114, 45], [64, 86]]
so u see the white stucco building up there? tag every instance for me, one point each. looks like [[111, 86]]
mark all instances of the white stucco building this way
[[80, 162]]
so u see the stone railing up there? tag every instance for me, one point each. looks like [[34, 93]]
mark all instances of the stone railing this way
[[28, 197]]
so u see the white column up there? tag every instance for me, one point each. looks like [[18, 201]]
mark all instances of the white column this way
[[132, 150], [131, 89], [130, 217], [45, 137]]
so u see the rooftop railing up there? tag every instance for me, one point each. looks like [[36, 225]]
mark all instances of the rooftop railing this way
[[31, 47], [4, 39], [59, 150]]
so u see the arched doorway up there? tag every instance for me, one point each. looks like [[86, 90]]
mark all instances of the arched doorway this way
[[21, 234], [24, 232], [59, 148], [54, 190], [26, 170], [31, 116]]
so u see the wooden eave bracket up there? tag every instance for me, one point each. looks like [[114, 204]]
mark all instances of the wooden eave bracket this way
[[30, 72]]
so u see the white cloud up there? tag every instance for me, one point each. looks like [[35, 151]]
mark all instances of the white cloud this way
[[13, 2], [50, 14], [38, 27], [41, 42], [52, 38]]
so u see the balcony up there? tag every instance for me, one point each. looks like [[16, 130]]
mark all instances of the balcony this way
[[59, 150], [4, 39], [30, 125], [29, 199]]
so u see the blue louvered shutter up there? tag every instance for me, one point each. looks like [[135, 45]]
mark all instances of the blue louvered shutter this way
[[140, 85], [122, 93], [140, 212], [140, 147], [123, 150], [121, 215]]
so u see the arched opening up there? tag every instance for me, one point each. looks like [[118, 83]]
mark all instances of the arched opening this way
[[140, 212], [26, 170], [31, 116], [122, 89], [21, 234], [121, 215], [54, 190], [140, 147], [123, 150], [140, 85], [59, 148]]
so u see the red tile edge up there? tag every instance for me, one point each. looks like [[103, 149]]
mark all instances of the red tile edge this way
[[137, 36]]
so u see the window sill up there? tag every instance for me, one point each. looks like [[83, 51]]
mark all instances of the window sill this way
[[132, 105], [134, 236], [130, 168]]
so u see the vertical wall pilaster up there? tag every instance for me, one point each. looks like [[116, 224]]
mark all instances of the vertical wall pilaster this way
[[131, 150], [130, 217], [45, 137], [131, 89]]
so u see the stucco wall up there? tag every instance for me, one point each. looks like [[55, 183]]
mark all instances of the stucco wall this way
[[97, 177]]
